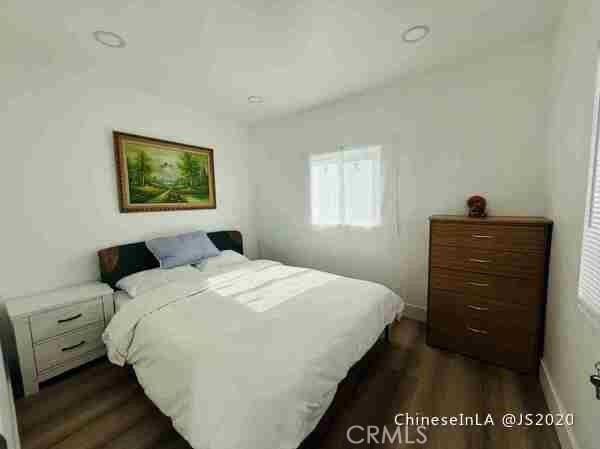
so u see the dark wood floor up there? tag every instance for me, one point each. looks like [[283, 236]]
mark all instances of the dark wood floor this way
[[102, 406]]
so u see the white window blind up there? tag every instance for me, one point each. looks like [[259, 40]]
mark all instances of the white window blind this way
[[346, 187], [589, 272]]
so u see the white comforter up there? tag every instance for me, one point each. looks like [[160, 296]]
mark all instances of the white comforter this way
[[249, 357]]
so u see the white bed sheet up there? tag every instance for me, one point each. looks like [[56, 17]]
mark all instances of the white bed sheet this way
[[121, 298], [250, 357]]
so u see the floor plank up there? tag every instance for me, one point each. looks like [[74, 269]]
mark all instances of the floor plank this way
[[62, 425], [103, 407], [109, 426], [66, 393], [145, 434]]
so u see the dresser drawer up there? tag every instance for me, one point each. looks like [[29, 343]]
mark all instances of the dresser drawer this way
[[65, 319], [504, 322], [484, 261], [64, 347], [494, 237], [525, 292], [483, 347], [484, 329]]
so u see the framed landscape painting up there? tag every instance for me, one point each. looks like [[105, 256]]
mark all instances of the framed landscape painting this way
[[158, 175]]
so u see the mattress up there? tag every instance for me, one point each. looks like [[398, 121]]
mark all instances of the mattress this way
[[249, 357], [121, 298]]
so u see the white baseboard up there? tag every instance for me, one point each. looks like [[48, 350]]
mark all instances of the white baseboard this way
[[417, 313], [566, 436]]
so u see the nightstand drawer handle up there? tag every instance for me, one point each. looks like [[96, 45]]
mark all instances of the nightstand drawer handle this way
[[477, 331], [66, 320], [480, 260], [482, 236], [70, 348], [478, 284], [481, 309]]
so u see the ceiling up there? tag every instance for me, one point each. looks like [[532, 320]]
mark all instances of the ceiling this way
[[211, 55]]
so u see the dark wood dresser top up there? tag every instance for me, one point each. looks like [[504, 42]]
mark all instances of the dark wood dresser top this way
[[512, 220]]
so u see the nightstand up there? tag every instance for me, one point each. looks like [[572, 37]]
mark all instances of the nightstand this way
[[59, 330]]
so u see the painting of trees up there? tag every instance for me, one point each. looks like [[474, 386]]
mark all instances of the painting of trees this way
[[139, 168], [163, 174], [190, 168], [144, 167]]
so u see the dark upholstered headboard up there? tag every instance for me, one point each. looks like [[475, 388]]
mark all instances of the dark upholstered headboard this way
[[117, 262]]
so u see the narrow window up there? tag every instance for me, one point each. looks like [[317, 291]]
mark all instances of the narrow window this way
[[589, 271]]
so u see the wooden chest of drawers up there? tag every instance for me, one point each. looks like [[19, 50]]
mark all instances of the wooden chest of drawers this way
[[487, 287]]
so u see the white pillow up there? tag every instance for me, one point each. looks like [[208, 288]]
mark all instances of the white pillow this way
[[224, 259], [144, 281]]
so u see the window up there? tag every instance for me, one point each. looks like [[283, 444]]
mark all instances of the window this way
[[589, 271], [346, 187]]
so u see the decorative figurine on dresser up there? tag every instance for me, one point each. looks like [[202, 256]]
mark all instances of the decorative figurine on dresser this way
[[487, 287], [477, 205], [59, 330]]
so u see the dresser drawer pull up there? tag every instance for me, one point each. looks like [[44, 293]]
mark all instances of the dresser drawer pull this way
[[479, 308], [482, 236], [70, 348], [478, 284], [66, 320], [480, 260], [477, 331]]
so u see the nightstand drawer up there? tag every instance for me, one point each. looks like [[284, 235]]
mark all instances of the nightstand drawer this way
[[58, 321], [64, 347]]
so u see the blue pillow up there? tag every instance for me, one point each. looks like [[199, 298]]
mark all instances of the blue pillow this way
[[182, 249]]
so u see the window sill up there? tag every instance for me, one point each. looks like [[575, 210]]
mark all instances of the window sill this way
[[345, 227]]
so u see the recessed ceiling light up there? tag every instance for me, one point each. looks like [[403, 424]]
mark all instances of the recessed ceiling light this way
[[415, 34], [109, 39], [255, 99]]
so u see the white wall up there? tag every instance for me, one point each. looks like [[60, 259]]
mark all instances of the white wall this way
[[58, 181], [571, 341], [477, 127]]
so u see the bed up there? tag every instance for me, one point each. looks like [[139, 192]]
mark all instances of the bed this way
[[247, 355]]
